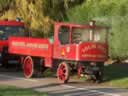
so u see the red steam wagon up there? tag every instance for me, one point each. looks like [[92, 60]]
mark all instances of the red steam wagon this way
[[75, 47]]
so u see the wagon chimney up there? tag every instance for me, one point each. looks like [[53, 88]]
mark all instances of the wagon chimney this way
[[92, 23]]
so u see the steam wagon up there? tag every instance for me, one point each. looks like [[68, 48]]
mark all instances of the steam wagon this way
[[75, 47]]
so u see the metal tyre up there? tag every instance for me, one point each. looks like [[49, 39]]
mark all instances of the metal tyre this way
[[28, 67], [63, 72]]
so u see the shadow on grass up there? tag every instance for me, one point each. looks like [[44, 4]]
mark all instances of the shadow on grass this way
[[116, 72]]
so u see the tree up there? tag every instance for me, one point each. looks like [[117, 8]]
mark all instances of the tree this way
[[110, 13], [5, 5], [38, 15]]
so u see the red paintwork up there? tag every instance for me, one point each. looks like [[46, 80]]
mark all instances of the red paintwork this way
[[10, 23], [48, 62], [79, 70], [30, 46], [4, 43], [62, 72], [28, 67], [87, 51], [74, 51], [67, 52], [92, 51]]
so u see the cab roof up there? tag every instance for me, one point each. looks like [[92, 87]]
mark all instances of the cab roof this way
[[11, 23]]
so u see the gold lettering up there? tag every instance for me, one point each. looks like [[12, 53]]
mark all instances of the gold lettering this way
[[92, 56], [30, 45], [18, 44], [44, 46], [99, 47]]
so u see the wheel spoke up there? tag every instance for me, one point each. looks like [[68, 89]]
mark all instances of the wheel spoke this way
[[63, 72]]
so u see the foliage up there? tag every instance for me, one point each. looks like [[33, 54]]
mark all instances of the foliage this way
[[106, 12], [38, 15], [4, 5], [32, 14]]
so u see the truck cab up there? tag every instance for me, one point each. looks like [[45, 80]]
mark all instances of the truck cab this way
[[9, 28], [80, 42]]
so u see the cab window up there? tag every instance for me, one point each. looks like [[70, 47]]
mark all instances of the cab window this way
[[80, 35], [64, 35], [100, 35]]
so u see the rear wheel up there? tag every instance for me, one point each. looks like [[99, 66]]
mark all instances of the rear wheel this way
[[100, 74], [96, 72], [63, 72], [80, 70], [28, 67]]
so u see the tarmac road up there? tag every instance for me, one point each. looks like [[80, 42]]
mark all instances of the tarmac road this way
[[51, 85]]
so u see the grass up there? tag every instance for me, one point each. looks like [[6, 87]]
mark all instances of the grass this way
[[117, 75], [13, 91]]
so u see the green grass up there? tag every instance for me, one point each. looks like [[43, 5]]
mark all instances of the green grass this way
[[117, 75], [13, 91]]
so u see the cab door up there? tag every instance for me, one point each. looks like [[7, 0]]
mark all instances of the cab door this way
[[62, 41]]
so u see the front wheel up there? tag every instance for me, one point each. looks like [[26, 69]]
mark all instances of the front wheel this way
[[63, 72]]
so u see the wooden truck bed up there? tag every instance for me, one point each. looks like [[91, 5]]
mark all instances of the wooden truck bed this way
[[30, 46]]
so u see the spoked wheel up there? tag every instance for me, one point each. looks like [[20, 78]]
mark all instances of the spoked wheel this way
[[63, 72], [28, 67], [100, 74]]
